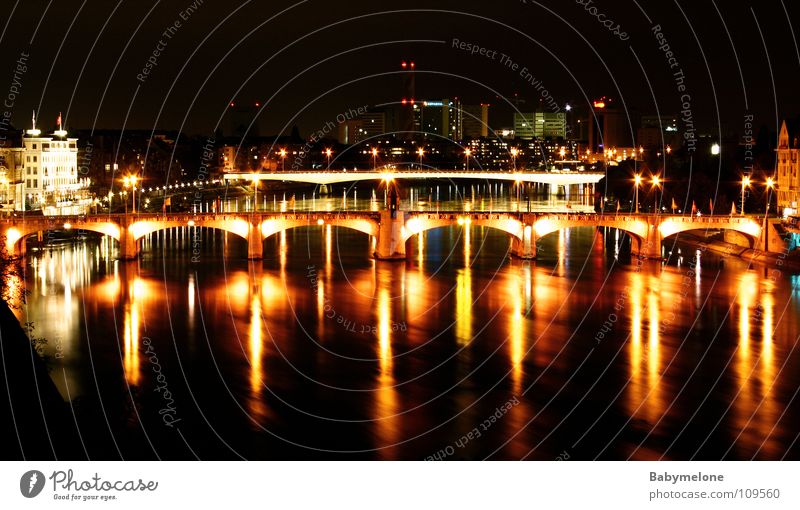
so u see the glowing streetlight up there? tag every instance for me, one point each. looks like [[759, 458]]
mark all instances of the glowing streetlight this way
[[656, 185], [770, 184], [420, 153], [283, 159], [715, 149], [669, 149], [374, 159], [467, 154], [328, 153], [637, 180], [745, 185], [514, 154], [130, 181], [562, 153]]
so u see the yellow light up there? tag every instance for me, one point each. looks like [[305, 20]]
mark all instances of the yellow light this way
[[770, 182], [191, 223], [283, 153], [328, 152], [669, 149], [420, 152], [746, 181], [374, 152], [467, 152], [514, 151], [67, 226], [637, 179], [656, 180], [320, 221]]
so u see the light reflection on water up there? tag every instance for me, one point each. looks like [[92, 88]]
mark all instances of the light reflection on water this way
[[326, 347]]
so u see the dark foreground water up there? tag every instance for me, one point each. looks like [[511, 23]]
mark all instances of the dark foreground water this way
[[460, 352]]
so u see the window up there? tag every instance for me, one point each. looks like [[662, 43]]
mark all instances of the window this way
[[45, 146], [36, 183], [35, 159], [34, 146], [28, 183], [28, 159]]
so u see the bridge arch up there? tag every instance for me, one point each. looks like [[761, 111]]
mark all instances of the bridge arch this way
[[500, 221], [17, 233], [748, 227], [272, 226]]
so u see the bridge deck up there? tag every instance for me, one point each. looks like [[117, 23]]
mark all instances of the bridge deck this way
[[332, 177]]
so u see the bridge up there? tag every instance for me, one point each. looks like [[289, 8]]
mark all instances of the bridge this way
[[389, 231], [336, 176]]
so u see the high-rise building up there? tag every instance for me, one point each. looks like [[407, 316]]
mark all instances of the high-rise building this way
[[788, 188], [524, 125], [608, 127], [474, 121], [438, 117]]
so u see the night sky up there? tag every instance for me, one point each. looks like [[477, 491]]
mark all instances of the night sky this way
[[309, 61]]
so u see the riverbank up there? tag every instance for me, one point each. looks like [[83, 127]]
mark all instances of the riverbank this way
[[39, 424], [714, 243]]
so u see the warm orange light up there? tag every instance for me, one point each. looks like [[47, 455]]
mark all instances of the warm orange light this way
[[599, 104], [656, 180], [770, 182], [467, 152], [374, 152], [637, 179], [420, 152], [283, 153], [514, 151], [746, 181], [328, 152]]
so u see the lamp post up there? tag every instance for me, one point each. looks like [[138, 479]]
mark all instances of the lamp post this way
[[374, 158], [637, 180], [656, 185], [283, 159], [420, 153], [745, 184], [328, 153], [467, 153], [130, 181], [770, 184], [514, 154]]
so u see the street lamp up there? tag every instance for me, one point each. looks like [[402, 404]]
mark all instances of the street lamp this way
[[745, 184], [283, 159], [374, 158], [514, 154], [637, 180], [656, 185], [328, 153], [467, 153], [770, 184], [420, 153], [130, 181]]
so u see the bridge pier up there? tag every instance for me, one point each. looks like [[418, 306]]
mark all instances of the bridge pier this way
[[255, 240], [390, 244], [128, 245], [648, 247]]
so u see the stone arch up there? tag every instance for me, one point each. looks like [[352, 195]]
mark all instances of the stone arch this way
[[748, 227], [16, 233], [500, 221], [272, 226]]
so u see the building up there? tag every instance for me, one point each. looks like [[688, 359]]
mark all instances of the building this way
[[657, 132], [474, 121], [608, 127], [524, 125], [540, 124], [50, 181], [438, 117], [788, 188]]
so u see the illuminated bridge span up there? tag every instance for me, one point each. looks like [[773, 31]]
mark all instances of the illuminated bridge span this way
[[332, 177], [390, 233]]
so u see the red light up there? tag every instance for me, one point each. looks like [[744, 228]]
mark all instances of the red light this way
[[232, 104], [404, 65], [412, 65], [404, 101], [412, 101], [258, 104]]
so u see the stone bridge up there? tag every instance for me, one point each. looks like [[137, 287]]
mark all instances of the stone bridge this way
[[391, 233]]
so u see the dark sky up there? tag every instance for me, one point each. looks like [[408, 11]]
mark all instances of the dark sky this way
[[309, 61]]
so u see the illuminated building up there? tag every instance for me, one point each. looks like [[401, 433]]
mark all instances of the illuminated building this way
[[788, 189], [608, 126], [50, 180]]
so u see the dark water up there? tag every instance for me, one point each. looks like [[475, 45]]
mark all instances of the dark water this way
[[461, 352]]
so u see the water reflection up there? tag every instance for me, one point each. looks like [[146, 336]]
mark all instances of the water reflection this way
[[262, 326]]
